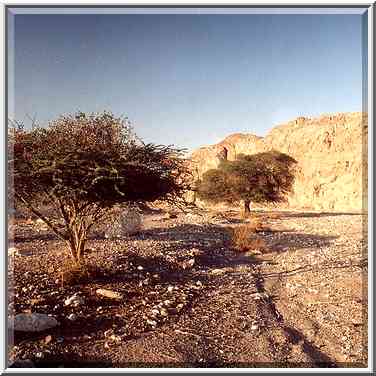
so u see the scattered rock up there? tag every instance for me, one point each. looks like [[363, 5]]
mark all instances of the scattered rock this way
[[33, 322], [109, 294]]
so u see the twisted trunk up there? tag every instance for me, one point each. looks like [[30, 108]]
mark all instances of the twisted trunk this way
[[246, 207]]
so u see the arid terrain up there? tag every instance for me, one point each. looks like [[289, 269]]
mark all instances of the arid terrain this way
[[189, 300]]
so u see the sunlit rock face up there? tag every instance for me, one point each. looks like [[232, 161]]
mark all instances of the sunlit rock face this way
[[331, 151]]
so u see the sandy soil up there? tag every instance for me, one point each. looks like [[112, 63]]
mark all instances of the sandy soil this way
[[189, 300]]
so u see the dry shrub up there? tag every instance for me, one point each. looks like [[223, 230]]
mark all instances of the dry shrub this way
[[74, 274], [255, 222], [244, 239]]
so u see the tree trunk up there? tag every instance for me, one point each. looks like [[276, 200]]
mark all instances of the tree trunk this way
[[246, 204], [76, 247]]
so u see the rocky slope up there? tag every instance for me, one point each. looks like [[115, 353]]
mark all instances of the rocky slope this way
[[331, 151]]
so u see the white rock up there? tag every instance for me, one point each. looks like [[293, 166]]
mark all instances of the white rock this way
[[74, 301], [32, 322], [72, 317], [217, 271], [13, 251], [164, 312], [170, 288], [194, 252], [140, 268], [258, 295], [115, 338], [109, 294]]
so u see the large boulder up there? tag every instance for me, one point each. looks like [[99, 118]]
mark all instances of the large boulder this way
[[32, 322], [123, 223]]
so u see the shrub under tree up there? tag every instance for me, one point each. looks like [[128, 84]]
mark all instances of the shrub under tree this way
[[82, 165], [259, 178]]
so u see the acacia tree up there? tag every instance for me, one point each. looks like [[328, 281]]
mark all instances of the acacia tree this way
[[82, 165], [258, 178]]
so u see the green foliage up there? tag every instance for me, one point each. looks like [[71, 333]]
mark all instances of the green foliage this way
[[259, 178], [83, 165]]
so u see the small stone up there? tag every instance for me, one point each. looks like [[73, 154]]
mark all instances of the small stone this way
[[107, 333], [13, 251], [72, 317], [74, 301], [170, 288], [164, 312], [109, 294], [140, 267], [115, 338], [258, 296], [47, 340], [151, 322], [254, 327], [217, 271], [39, 355], [155, 312]]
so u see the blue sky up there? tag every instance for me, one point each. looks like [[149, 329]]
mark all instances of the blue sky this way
[[184, 79]]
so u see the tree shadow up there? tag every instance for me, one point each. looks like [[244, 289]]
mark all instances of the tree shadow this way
[[47, 236], [287, 241], [292, 214], [318, 357]]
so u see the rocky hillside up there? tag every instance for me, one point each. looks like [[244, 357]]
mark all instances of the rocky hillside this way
[[331, 151]]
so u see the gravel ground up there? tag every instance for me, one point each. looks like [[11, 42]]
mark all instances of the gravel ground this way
[[188, 300]]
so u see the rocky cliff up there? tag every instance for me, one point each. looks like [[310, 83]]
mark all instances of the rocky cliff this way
[[331, 151]]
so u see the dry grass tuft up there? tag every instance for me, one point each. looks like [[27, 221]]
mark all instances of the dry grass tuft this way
[[72, 274], [244, 239]]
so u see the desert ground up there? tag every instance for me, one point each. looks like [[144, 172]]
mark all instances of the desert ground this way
[[186, 298]]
